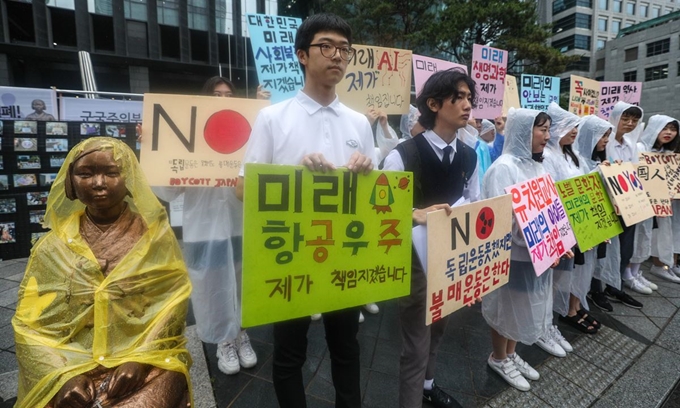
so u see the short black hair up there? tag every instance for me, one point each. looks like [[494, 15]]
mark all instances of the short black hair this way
[[440, 86], [211, 84], [319, 23], [541, 119], [633, 111]]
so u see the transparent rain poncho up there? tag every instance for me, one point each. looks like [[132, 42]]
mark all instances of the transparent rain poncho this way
[[385, 143], [470, 136], [408, 121], [70, 318], [522, 309], [651, 241], [632, 137]]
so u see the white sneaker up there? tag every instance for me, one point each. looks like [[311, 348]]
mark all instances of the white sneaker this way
[[664, 273], [372, 308], [227, 358], [316, 316], [557, 336], [246, 354], [547, 343], [676, 270], [524, 368], [637, 286], [361, 317], [509, 372], [647, 283]]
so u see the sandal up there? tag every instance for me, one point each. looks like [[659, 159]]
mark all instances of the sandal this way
[[579, 323], [584, 314]]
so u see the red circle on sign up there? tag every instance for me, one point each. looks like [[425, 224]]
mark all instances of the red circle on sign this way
[[622, 182], [226, 131], [485, 223]]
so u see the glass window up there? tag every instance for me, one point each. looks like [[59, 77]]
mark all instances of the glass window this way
[[247, 6], [630, 76], [579, 20], [581, 65], [577, 41], [644, 9], [103, 7], [656, 11], [561, 5], [602, 24], [66, 4], [198, 14], [617, 6], [604, 4], [135, 9], [224, 17], [630, 9], [667, 10], [616, 26], [658, 47], [599, 64], [601, 44], [168, 12], [657, 72], [631, 54], [628, 23]]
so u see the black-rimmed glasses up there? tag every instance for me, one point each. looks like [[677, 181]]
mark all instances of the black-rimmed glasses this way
[[329, 50]]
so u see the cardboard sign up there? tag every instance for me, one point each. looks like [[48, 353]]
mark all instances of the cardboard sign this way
[[584, 96], [654, 180], [378, 78], [488, 70], [626, 192], [538, 91], [272, 39], [671, 163], [195, 141], [510, 95], [468, 254], [424, 67], [318, 242], [613, 92], [591, 213], [543, 221]]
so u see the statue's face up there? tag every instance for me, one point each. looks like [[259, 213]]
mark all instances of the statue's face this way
[[98, 181], [38, 105]]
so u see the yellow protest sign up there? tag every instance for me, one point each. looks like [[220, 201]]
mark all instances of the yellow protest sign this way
[[378, 78], [584, 96], [627, 192], [196, 141], [468, 254], [511, 96], [318, 242]]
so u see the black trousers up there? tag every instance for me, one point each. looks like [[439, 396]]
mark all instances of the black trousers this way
[[627, 246], [290, 353]]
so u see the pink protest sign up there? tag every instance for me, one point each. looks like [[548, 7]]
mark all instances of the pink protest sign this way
[[424, 67], [612, 92], [543, 221], [488, 70]]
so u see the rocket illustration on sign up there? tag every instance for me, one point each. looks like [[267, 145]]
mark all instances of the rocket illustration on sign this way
[[382, 197]]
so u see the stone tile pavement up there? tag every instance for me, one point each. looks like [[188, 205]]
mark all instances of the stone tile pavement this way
[[633, 362]]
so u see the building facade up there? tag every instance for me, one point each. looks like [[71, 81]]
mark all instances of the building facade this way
[[165, 46]]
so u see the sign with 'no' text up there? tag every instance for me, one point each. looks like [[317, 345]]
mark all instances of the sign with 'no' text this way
[[195, 141]]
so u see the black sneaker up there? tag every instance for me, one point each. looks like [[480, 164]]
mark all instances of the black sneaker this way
[[438, 398], [600, 300], [620, 296]]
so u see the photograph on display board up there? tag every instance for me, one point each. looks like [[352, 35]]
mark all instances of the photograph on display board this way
[[2, 127], [2, 164], [56, 128], [25, 127], [8, 205], [4, 182], [25, 162], [115, 130], [56, 145], [0, 143], [7, 233], [46, 179], [35, 236], [36, 216], [37, 198], [56, 161], [22, 144], [25, 180], [89, 129]]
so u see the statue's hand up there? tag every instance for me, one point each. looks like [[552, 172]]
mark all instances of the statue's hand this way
[[127, 378], [78, 392]]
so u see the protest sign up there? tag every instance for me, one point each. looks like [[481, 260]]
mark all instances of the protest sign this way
[[538, 91], [424, 67], [468, 254], [272, 39], [318, 242], [196, 141], [488, 70], [671, 162], [543, 221], [377, 78], [584, 96], [17, 103], [510, 95], [626, 192], [653, 178], [99, 110], [613, 92], [591, 213]]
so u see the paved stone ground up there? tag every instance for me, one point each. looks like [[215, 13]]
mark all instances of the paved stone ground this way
[[633, 362]]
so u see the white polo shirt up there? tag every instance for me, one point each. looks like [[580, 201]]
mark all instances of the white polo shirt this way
[[625, 151], [287, 131]]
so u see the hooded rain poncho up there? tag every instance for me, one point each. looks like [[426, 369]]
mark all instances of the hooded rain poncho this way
[[631, 137]]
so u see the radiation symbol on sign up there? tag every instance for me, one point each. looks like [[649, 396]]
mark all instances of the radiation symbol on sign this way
[[485, 222]]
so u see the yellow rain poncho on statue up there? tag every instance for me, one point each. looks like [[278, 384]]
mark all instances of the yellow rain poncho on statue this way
[[101, 303]]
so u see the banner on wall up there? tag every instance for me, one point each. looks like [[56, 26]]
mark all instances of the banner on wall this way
[[654, 180], [195, 141], [99, 110], [584, 96], [18, 103], [315, 243], [613, 92], [510, 95], [468, 254], [538, 91], [671, 163], [377, 78], [424, 67], [543, 221], [488, 70], [272, 40], [627, 192]]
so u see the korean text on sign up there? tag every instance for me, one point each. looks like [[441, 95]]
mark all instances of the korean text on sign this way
[[316, 242], [538, 91], [424, 67], [584, 96], [543, 221], [468, 254], [488, 70], [613, 92]]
